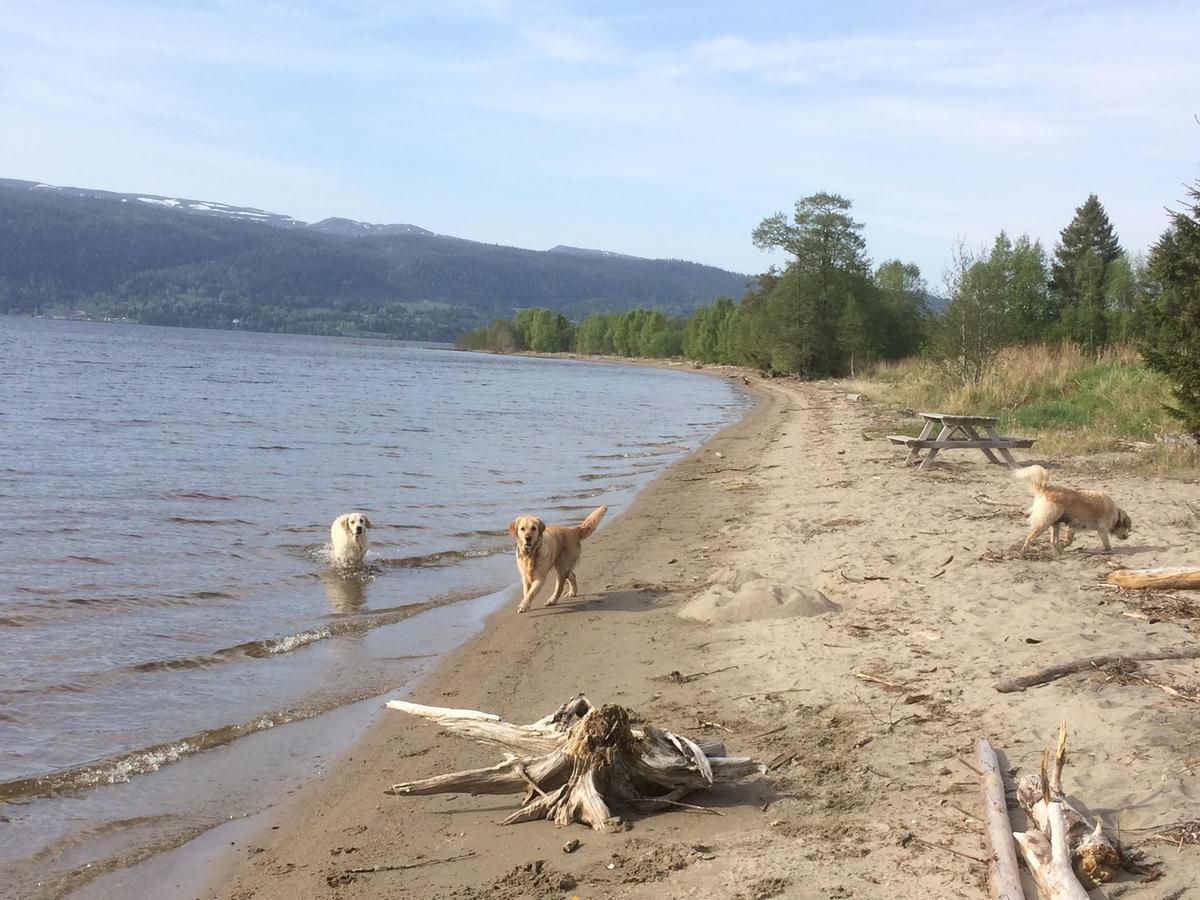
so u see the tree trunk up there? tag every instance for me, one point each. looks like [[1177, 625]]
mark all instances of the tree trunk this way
[[578, 762]]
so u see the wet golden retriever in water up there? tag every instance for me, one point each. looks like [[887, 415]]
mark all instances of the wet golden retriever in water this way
[[348, 539], [542, 550], [1055, 506]]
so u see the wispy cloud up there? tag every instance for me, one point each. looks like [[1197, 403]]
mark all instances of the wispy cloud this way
[[651, 130]]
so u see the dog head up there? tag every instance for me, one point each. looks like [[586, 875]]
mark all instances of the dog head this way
[[1123, 525], [528, 531], [356, 524]]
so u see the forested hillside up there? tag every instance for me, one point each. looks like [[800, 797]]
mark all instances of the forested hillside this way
[[167, 262]]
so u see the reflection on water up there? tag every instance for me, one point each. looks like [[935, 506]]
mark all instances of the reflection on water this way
[[177, 600], [347, 591]]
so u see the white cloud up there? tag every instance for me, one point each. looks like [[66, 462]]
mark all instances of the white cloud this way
[[513, 115]]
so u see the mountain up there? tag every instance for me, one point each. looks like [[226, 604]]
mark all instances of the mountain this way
[[173, 261], [358, 229]]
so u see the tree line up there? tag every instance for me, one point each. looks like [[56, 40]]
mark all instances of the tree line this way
[[828, 311]]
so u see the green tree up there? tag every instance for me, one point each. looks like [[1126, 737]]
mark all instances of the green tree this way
[[1087, 248], [1022, 269], [853, 335], [707, 335], [543, 330], [904, 314], [1124, 289], [501, 336], [1171, 312], [821, 235], [593, 335], [804, 309], [975, 325]]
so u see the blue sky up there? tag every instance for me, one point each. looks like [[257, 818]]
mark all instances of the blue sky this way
[[656, 129]]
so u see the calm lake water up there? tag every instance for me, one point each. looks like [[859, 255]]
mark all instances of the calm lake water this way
[[174, 649]]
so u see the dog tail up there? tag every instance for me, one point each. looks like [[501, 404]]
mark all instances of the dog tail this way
[[1035, 478], [588, 525]]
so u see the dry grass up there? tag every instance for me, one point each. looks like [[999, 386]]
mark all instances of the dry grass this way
[[1071, 401]]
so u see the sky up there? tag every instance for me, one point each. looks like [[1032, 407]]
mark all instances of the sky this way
[[665, 130]]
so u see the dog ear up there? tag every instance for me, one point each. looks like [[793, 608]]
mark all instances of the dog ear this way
[[344, 521], [367, 522], [512, 528], [541, 526]]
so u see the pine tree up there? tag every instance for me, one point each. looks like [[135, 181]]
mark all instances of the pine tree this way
[[1087, 248], [1171, 312], [830, 266]]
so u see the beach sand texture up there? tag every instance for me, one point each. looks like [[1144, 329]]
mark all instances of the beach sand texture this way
[[805, 557]]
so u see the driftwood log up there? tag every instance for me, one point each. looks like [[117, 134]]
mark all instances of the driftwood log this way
[[1066, 848], [576, 763], [1004, 881], [1185, 578], [1053, 673]]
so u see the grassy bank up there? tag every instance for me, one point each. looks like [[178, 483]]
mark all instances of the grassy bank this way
[[1071, 401]]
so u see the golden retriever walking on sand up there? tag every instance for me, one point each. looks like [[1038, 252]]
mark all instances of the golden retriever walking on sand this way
[[556, 548], [1054, 506]]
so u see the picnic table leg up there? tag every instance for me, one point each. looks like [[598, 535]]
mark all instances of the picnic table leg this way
[[1003, 451], [914, 452], [974, 435], [947, 430]]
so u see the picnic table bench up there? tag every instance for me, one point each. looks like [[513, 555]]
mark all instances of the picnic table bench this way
[[959, 433]]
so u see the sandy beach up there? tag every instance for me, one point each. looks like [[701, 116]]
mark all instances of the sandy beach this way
[[855, 617]]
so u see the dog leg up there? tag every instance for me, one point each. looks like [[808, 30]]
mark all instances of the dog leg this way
[[558, 589], [1070, 536], [1103, 535], [530, 593], [1033, 536], [572, 585], [1054, 538]]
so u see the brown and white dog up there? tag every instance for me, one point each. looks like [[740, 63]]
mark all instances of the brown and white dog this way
[[348, 539], [542, 550], [1055, 506]]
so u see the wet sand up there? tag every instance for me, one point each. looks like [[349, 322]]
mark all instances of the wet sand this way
[[905, 602]]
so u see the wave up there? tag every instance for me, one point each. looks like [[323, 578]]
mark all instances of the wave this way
[[204, 495], [442, 558], [603, 475], [188, 520], [354, 623], [123, 767]]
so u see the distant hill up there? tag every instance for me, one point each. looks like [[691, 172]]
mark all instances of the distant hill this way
[[173, 261]]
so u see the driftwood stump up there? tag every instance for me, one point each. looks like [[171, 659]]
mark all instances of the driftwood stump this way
[[1066, 848], [576, 763]]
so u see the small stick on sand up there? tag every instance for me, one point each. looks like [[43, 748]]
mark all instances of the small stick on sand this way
[[400, 867], [1053, 673], [874, 679], [679, 678]]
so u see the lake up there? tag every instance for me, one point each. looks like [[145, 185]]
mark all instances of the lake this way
[[174, 648]]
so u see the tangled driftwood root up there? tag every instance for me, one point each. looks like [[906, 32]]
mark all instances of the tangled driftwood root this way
[[576, 763], [1065, 849]]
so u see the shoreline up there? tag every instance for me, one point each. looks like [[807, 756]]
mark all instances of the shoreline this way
[[906, 604], [443, 684]]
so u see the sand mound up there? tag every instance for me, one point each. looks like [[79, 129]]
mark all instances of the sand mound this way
[[739, 595]]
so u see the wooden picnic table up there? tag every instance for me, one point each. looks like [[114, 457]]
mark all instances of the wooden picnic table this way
[[959, 433]]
